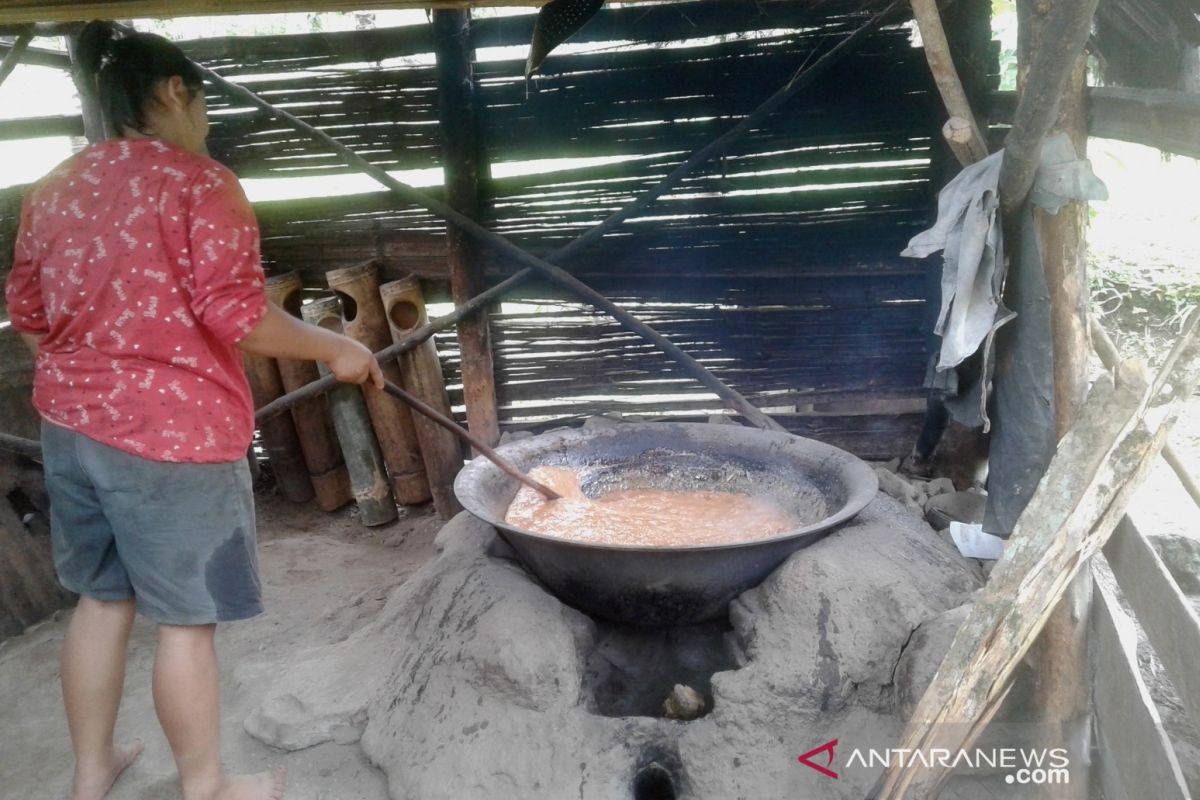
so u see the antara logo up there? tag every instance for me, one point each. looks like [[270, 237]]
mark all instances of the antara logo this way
[[825, 748]]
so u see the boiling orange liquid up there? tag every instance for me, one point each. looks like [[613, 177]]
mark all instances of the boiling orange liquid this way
[[653, 517]]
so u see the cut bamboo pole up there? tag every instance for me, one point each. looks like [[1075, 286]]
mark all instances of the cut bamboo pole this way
[[941, 64], [364, 462], [421, 375], [326, 468], [278, 433], [460, 162], [365, 321], [1087, 487]]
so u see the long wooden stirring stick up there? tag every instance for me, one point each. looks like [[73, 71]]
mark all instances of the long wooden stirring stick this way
[[424, 408]]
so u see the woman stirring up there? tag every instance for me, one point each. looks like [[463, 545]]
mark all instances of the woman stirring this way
[[137, 283]]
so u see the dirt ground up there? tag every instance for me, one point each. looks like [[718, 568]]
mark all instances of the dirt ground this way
[[324, 575]]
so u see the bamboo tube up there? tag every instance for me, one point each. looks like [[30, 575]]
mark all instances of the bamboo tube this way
[[278, 433], [364, 320], [326, 468], [421, 375], [364, 463]]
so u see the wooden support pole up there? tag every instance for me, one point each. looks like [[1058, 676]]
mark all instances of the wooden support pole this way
[[460, 165], [94, 127], [278, 433], [326, 468], [421, 375], [803, 78], [365, 321], [1064, 27], [1051, 76], [13, 56], [941, 64], [364, 462], [1080, 500]]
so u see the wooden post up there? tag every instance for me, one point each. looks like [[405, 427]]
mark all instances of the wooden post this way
[[421, 375], [1060, 657], [460, 164], [94, 127], [322, 454], [1044, 74], [278, 433], [368, 478], [364, 320]]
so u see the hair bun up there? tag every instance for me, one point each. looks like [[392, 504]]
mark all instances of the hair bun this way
[[95, 46]]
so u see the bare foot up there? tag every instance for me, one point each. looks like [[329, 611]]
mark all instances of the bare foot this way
[[263, 786], [95, 788]]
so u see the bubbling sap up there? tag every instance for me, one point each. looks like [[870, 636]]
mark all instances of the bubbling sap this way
[[652, 517]]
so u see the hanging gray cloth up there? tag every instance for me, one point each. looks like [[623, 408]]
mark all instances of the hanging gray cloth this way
[[1023, 439], [968, 232]]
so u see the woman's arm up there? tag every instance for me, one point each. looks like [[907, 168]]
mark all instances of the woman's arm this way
[[280, 335]]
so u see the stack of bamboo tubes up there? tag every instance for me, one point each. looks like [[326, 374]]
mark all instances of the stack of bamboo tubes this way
[[358, 443]]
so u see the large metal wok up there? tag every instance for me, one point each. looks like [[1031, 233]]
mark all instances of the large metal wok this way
[[822, 485]]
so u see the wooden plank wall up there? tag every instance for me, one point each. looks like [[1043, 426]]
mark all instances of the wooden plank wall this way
[[778, 266]]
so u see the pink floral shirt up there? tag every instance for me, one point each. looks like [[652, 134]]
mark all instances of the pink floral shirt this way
[[139, 264]]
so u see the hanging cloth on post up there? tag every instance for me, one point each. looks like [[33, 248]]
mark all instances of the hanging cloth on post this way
[[968, 232]]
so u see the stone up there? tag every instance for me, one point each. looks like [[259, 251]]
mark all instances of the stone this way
[[943, 509], [1181, 555], [940, 486], [684, 703], [897, 487], [474, 682], [923, 655]]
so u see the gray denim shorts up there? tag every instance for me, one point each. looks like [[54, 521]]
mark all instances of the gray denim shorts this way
[[177, 538]]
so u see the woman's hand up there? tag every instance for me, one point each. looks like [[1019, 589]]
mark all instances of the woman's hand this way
[[280, 335], [352, 362]]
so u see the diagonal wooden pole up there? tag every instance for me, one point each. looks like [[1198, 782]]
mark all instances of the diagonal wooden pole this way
[[533, 264], [950, 87], [15, 52]]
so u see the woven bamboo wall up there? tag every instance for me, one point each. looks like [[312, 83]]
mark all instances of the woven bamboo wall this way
[[778, 266]]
